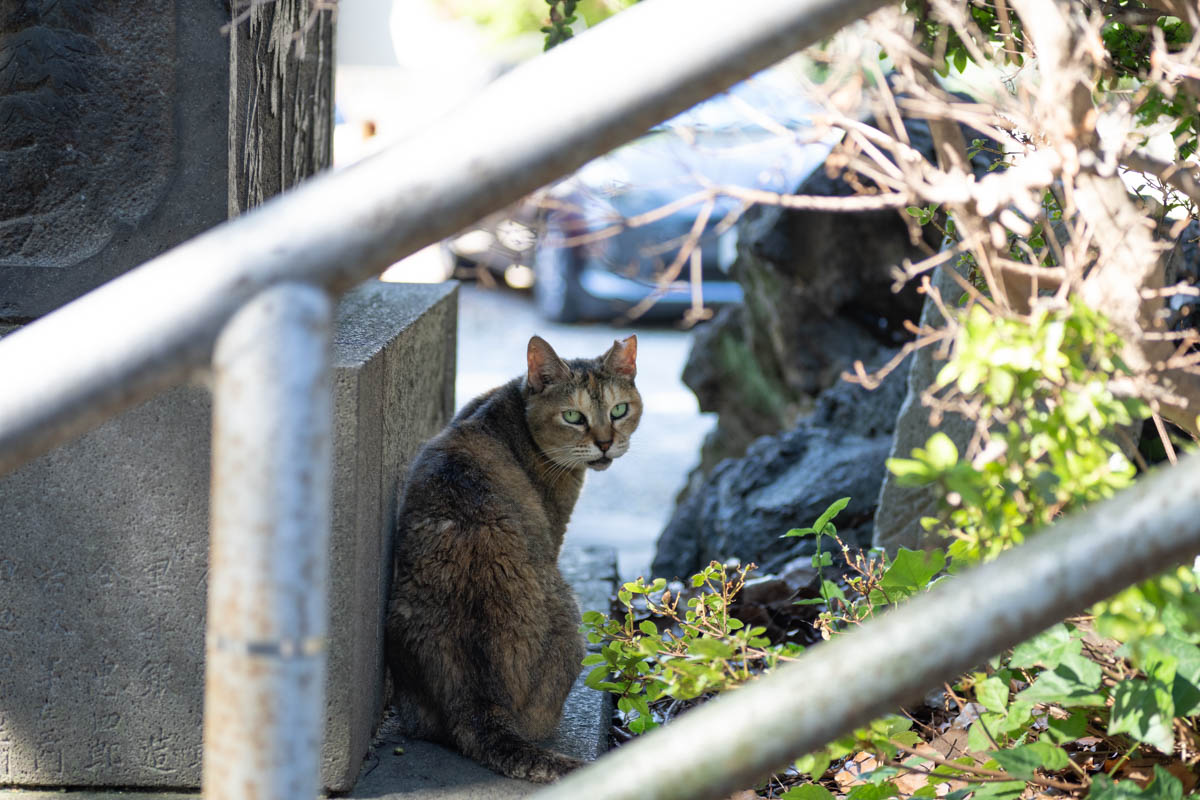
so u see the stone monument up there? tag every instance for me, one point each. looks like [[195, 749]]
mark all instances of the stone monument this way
[[129, 128]]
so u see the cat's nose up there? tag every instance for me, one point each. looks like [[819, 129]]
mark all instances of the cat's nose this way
[[604, 445]]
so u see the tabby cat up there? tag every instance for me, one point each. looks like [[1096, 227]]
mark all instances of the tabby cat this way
[[482, 630]]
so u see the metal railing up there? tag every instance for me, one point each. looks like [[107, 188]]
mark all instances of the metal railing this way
[[250, 301]]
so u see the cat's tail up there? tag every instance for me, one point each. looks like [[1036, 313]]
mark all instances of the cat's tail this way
[[491, 738]]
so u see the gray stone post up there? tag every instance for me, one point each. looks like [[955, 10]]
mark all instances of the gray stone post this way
[[127, 129]]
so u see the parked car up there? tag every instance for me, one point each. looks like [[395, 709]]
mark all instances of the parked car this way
[[590, 264]]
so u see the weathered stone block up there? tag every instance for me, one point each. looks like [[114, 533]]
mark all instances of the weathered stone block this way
[[103, 555], [112, 155], [132, 127]]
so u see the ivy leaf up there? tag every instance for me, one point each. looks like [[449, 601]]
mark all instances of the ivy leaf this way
[[1185, 686], [1066, 730], [993, 693], [1046, 649], [910, 572], [1023, 760], [1142, 708], [1072, 683]]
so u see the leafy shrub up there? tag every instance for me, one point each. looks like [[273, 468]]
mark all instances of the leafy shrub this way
[[1065, 712]]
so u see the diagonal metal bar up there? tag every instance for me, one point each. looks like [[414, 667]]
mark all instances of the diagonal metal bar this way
[[735, 740], [118, 345]]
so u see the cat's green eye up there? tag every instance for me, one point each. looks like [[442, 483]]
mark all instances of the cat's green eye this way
[[619, 410], [574, 417]]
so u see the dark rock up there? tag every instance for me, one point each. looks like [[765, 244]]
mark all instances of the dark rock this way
[[818, 290], [786, 481]]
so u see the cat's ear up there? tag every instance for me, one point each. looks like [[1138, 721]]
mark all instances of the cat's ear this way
[[544, 365], [621, 358]]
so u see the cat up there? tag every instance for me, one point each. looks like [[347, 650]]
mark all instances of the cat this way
[[483, 637]]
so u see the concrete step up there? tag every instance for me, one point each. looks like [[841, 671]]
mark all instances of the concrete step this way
[[399, 768]]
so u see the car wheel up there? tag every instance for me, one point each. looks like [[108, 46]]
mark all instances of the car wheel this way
[[556, 289]]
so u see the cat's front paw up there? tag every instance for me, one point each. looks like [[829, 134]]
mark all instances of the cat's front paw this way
[[547, 767]]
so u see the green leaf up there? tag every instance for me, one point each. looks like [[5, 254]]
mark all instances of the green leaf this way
[[593, 659], [1072, 683], [647, 627], [868, 791], [710, 648], [993, 693], [1142, 708], [909, 471], [1000, 790], [799, 532], [834, 509], [1046, 649], [1165, 786], [1185, 687], [1067, 730], [983, 731], [940, 451], [1023, 760], [1000, 385], [814, 764], [960, 64], [597, 676], [911, 571], [808, 791]]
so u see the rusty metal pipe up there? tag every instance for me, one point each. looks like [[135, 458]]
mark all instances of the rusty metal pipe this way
[[116, 346], [264, 681], [835, 687]]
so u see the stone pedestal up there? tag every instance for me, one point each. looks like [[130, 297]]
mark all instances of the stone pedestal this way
[[103, 555]]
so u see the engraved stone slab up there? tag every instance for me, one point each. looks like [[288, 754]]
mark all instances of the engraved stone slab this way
[[103, 556], [129, 128], [111, 152]]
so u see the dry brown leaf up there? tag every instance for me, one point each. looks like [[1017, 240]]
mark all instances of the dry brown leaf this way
[[744, 794], [951, 744], [1187, 777], [943, 789], [909, 782], [850, 774]]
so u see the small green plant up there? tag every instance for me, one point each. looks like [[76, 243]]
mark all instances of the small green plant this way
[[872, 579], [1048, 418], [1101, 707], [657, 649]]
